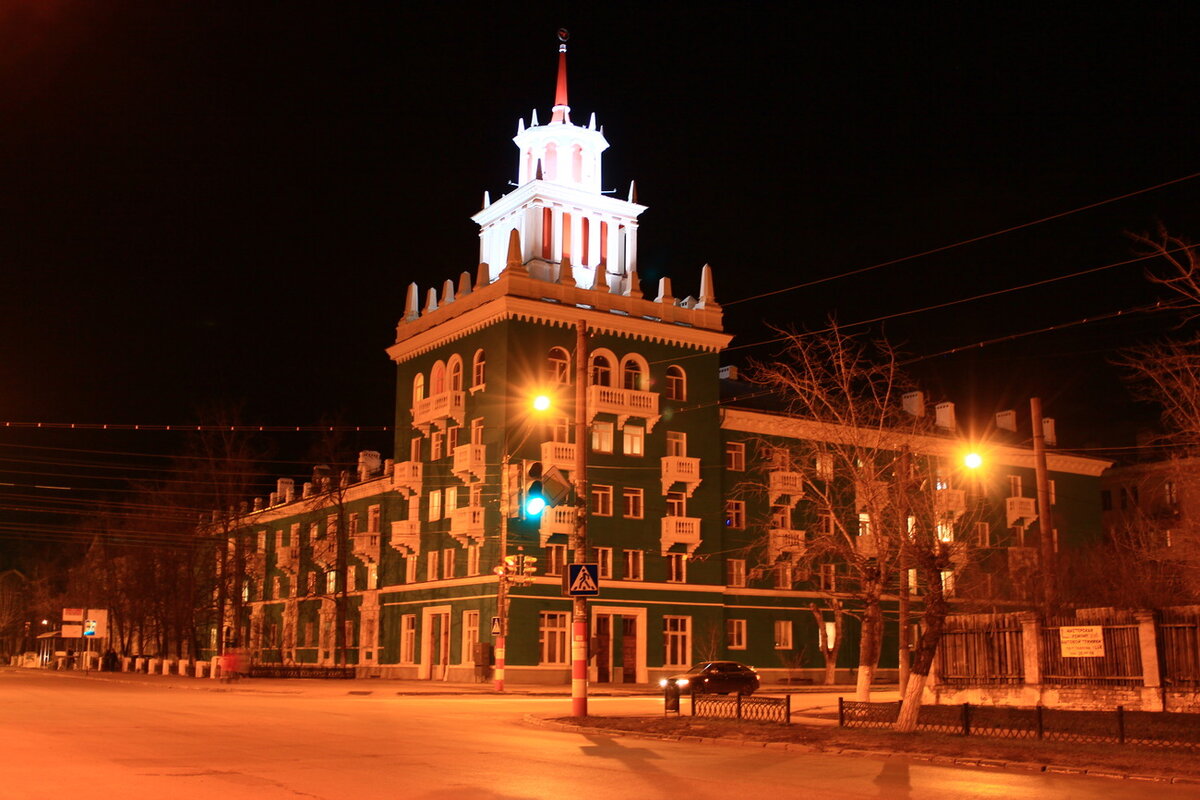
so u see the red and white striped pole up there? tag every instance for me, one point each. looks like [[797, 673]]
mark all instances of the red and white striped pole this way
[[498, 674], [579, 616]]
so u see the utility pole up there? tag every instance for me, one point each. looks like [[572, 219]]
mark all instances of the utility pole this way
[[502, 576], [1045, 521], [903, 468], [579, 611]]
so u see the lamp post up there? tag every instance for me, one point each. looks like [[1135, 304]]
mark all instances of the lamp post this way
[[579, 611]]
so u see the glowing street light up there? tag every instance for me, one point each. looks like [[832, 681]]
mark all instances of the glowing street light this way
[[541, 402], [973, 461]]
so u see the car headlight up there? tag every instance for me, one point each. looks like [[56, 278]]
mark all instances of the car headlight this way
[[663, 683], [683, 681]]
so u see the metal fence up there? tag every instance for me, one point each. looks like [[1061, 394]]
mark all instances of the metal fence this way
[[297, 671], [754, 709], [1149, 728]]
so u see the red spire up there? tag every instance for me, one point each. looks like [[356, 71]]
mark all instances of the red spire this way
[[562, 111]]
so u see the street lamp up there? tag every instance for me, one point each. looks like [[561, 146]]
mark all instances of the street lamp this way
[[973, 460]]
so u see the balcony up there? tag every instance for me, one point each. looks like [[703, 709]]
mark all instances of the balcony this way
[[949, 503], [556, 519], [625, 403], [470, 462], [558, 454], [436, 410], [406, 537], [786, 484], [680, 469], [680, 530], [324, 552], [366, 546], [1020, 511], [407, 476], [287, 559], [782, 542], [466, 525]]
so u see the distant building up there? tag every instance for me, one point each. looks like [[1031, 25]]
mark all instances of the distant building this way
[[688, 569]]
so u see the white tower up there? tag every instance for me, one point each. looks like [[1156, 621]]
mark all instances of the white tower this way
[[558, 208]]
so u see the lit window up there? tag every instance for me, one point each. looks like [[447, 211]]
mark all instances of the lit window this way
[[451, 500], [602, 437], [676, 388], [635, 440], [824, 468], [418, 391], [735, 634], [783, 634], [330, 582], [633, 503], [435, 505]]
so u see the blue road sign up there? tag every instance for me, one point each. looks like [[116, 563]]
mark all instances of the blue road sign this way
[[583, 580]]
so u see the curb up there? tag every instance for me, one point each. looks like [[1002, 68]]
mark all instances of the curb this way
[[792, 747]]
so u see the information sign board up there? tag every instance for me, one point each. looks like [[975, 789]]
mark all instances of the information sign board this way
[[1081, 641]]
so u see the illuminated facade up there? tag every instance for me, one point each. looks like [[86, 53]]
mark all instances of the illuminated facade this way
[[411, 543]]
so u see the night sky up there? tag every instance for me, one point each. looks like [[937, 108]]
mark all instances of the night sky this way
[[226, 200]]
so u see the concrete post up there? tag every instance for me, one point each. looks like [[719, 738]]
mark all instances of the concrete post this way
[[1152, 696], [1031, 654]]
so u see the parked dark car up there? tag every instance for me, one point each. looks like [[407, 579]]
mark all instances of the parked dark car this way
[[717, 677]]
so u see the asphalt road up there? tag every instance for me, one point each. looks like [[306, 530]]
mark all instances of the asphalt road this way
[[65, 737]]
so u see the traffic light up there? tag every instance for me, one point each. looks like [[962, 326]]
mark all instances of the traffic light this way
[[542, 486]]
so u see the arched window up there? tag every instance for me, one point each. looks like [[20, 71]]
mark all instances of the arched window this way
[[577, 164], [676, 383], [437, 379], [558, 366], [418, 388], [631, 376], [478, 369], [601, 371], [455, 369], [551, 165]]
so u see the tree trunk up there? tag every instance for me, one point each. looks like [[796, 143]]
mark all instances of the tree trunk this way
[[870, 644], [934, 617]]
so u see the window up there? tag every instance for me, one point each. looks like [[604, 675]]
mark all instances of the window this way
[[353, 522], [410, 568], [351, 579], [781, 517], [677, 641], [983, 534], [558, 366], [635, 440], [293, 536], [431, 565], [604, 560], [372, 576], [453, 434], [408, 639], [676, 568], [783, 634], [735, 456], [631, 376], [864, 524], [633, 503], [437, 440], [418, 392], [602, 500], [473, 551], [601, 370], [373, 517], [735, 514], [451, 500], [828, 577], [735, 572], [277, 587], [448, 563], [552, 637], [735, 634], [262, 541], [311, 584], [602, 437], [676, 388], [348, 631], [435, 505], [556, 557], [456, 370], [330, 582], [1014, 486], [478, 370], [331, 525], [560, 430], [824, 467], [437, 379], [676, 504], [947, 582], [676, 443], [414, 449], [477, 430], [470, 635], [825, 526], [633, 565], [784, 576], [945, 531]]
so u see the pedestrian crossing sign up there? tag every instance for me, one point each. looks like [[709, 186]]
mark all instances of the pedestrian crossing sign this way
[[582, 580]]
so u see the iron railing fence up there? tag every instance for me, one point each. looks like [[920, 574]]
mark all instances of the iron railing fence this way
[[753, 709], [298, 671]]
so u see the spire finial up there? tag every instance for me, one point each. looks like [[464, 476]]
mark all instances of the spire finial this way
[[562, 111]]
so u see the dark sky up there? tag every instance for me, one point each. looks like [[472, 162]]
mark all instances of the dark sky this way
[[228, 199]]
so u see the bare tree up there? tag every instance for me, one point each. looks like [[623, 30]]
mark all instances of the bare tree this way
[[829, 645]]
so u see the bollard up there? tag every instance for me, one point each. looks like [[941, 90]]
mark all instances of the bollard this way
[[670, 698]]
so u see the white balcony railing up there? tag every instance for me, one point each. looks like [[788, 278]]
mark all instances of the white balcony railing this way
[[1020, 511], [680, 469], [949, 503], [406, 536], [366, 546], [558, 454], [470, 462], [407, 475], [680, 530], [556, 519], [625, 403], [435, 410], [466, 525], [782, 542], [786, 484]]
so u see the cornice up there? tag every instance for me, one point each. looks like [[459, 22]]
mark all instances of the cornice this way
[[767, 424]]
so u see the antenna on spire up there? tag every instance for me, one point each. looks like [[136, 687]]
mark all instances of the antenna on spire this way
[[562, 111]]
